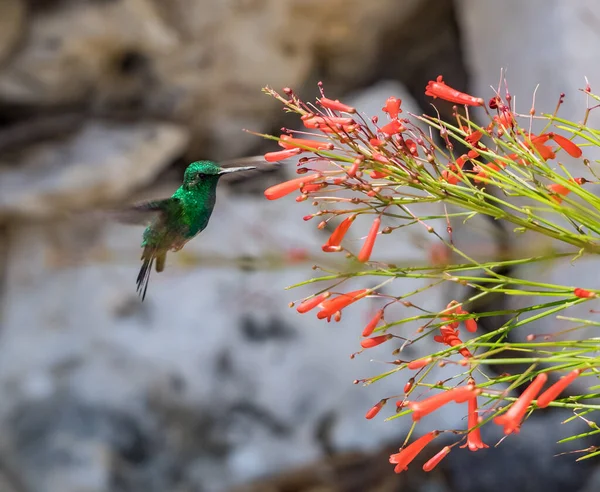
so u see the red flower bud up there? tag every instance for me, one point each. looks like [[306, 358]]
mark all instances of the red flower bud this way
[[584, 294], [375, 409], [373, 342], [312, 303], [287, 187], [557, 388], [336, 105], [373, 323], [566, 144], [365, 252], [440, 89], [281, 155], [439, 456]]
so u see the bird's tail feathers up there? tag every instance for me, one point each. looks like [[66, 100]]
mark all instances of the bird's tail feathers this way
[[144, 275]]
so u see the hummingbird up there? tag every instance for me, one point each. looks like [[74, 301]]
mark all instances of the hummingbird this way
[[176, 220]]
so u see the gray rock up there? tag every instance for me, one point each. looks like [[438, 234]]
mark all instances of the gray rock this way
[[12, 22], [102, 162]]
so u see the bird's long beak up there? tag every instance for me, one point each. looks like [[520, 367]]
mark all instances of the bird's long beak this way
[[228, 170]]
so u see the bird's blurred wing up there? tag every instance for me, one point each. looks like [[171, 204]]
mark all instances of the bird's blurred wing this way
[[258, 161], [142, 213]]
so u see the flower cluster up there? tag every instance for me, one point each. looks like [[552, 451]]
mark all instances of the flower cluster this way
[[352, 166]]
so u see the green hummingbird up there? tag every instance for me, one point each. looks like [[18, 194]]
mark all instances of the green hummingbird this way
[[178, 219]]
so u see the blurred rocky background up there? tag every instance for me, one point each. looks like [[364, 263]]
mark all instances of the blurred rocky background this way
[[213, 384]]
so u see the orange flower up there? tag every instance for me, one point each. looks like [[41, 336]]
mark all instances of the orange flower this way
[[374, 341], [412, 147], [288, 142], [566, 144], [392, 107], [392, 128], [511, 420], [336, 105], [473, 137], [419, 363], [584, 294], [374, 410], [474, 441], [287, 187], [314, 121], [439, 456], [562, 190], [373, 323], [379, 174], [331, 306], [410, 452], [281, 155], [365, 252], [506, 119], [380, 158], [340, 231], [443, 91], [557, 388], [449, 336], [425, 407], [312, 303]]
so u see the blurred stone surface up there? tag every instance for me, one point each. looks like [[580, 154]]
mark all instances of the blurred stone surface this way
[[202, 63], [100, 163], [213, 380], [12, 22]]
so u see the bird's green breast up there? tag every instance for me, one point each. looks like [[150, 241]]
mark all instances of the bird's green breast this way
[[197, 207]]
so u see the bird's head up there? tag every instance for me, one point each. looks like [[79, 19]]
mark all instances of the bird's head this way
[[207, 171]]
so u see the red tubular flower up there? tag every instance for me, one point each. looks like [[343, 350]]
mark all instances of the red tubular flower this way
[[336, 105], [379, 174], [380, 158], [483, 173], [410, 452], [471, 325], [281, 155], [474, 441], [374, 410], [392, 107], [373, 323], [584, 294], [408, 386], [365, 252], [340, 231], [439, 456], [511, 420], [288, 142], [374, 341], [557, 388], [412, 147], [312, 303], [419, 363], [566, 144], [443, 91], [560, 190], [474, 137], [326, 121], [545, 151], [505, 119], [449, 336], [287, 187], [392, 128], [375, 142], [331, 306], [425, 407]]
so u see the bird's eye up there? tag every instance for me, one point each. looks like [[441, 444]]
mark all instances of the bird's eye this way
[[199, 175]]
